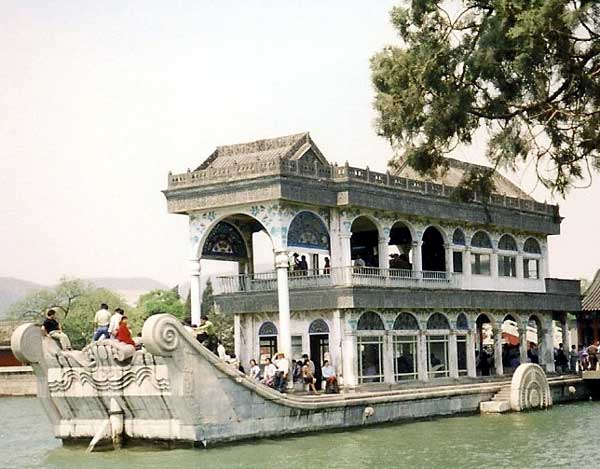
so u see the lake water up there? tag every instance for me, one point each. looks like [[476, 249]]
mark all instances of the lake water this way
[[559, 437]]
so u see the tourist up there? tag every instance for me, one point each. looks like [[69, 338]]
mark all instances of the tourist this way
[[359, 262], [573, 357], [283, 368], [254, 370], [269, 373], [221, 350], [206, 334], [102, 320], [483, 362], [53, 329], [308, 377], [303, 266], [560, 359], [297, 370], [187, 325], [327, 266], [123, 333], [532, 354], [309, 362], [592, 357], [297, 264], [583, 358], [115, 321], [331, 382]]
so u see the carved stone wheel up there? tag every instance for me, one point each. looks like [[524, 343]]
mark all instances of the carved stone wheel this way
[[529, 388]]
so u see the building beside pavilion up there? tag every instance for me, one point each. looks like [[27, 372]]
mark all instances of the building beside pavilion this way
[[588, 324], [416, 285]]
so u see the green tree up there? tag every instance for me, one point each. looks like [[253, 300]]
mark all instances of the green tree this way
[[222, 320], [160, 301], [75, 302], [526, 70]]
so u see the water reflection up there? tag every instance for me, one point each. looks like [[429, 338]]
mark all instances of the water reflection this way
[[555, 438]]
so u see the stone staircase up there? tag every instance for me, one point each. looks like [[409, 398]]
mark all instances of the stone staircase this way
[[500, 403]]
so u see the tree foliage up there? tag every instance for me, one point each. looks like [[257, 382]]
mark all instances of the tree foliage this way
[[75, 302], [222, 320], [527, 70], [160, 301]]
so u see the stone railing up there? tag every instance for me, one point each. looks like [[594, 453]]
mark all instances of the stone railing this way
[[335, 173], [340, 276]]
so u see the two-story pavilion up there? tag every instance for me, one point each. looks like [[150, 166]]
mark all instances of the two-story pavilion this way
[[418, 286]]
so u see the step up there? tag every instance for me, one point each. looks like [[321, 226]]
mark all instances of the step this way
[[494, 407]]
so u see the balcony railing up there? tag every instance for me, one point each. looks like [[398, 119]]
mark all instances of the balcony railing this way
[[339, 276]]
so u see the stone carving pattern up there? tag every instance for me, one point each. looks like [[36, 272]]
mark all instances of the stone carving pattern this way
[[529, 388], [224, 241]]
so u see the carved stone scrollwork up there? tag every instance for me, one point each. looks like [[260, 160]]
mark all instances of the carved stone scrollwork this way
[[529, 388], [26, 343], [160, 334]]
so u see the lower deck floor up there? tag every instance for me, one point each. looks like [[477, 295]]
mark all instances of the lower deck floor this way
[[390, 347]]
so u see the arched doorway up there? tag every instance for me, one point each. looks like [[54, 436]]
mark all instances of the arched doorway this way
[[511, 344], [308, 237], [406, 355], [433, 251], [370, 332], [462, 329], [438, 353], [318, 333], [364, 242], [535, 348], [484, 345], [401, 241]]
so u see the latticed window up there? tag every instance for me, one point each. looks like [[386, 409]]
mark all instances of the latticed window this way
[[406, 322], [370, 359], [507, 243], [437, 356], [405, 357], [462, 323], [458, 237], [438, 321], [531, 246], [267, 339]]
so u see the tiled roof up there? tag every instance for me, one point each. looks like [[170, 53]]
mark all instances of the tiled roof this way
[[289, 147], [591, 297], [453, 176]]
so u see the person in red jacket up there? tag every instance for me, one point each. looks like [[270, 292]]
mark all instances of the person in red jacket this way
[[123, 333]]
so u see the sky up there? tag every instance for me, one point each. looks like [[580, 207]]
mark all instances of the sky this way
[[100, 100]]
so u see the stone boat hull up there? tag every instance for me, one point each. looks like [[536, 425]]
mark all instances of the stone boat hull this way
[[179, 392]]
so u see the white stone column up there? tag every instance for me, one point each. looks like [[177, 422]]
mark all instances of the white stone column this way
[[471, 359], [388, 358], [237, 338], [283, 296], [520, 264], [422, 358], [548, 346], [345, 273], [335, 346], [523, 343], [453, 354], [566, 336], [349, 360], [498, 350], [544, 263], [467, 273], [494, 263], [195, 290], [449, 258], [383, 252]]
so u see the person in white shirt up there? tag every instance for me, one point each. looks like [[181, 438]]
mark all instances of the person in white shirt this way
[[269, 373], [254, 370], [328, 372], [115, 320], [102, 320], [283, 368], [221, 351]]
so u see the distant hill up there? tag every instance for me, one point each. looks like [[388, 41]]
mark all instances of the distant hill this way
[[13, 289]]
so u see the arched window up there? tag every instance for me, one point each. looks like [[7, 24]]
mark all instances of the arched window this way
[[507, 263], [405, 347], [370, 321], [437, 346], [267, 339], [481, 240], [458, 237], [481, 261], [531, 265], [438, 321], [531, 246], [369, 343], [462, 327]]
